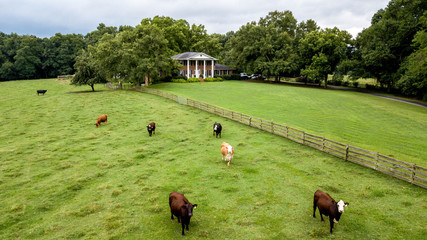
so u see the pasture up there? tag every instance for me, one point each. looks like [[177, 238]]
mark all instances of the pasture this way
[[382, 125], [63, 178]]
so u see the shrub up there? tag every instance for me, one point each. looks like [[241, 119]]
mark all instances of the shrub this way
[[231, 77], [179, 80], [355, 84], [302, 79], [193, 79], [337, 79], [181, 77], [161, 79], [210, 79]]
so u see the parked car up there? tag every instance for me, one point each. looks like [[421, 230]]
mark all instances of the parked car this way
[[244, 76], [257, 77]]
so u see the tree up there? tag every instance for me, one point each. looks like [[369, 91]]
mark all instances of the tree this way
[[60, 52], [414, 80], [135, 55], [93, 37], [87, 71], [282, 21], [265, 47], [178, 32], [145, 53], [321, 52], [27, 61], [387, 42]]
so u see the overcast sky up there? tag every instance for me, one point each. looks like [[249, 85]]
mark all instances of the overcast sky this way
[[44, 18]]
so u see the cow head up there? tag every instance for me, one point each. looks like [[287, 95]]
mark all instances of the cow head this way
[[215, 126], [149, 129], [341, 204], [189, 208], [230, 149]]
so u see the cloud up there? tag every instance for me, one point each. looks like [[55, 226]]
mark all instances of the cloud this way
[[44, 18]]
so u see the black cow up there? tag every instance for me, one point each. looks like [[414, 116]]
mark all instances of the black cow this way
[[217, 129], [41, 91], [328, 207], [151, 128], [181, 208]]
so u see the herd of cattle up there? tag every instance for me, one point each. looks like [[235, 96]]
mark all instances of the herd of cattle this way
[[183, 209]]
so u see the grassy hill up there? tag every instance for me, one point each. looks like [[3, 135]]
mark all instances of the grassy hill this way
[[382, 125], [63, 178]]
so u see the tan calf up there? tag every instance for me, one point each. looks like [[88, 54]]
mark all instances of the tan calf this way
[[227, 152]]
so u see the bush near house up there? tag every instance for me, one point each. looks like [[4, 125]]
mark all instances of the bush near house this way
[[231, 77], [193, 79], [210, 79], [179, 80]]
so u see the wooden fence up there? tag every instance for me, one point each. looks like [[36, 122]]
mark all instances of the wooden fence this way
[[405, 171]]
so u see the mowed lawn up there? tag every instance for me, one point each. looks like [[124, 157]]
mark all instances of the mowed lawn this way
[[63, 178], [382, 125]]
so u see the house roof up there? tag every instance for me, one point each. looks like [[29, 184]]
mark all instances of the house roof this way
[[193, 56], [222, 67]]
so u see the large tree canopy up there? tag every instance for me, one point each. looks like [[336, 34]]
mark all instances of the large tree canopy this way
[[322, 51], [265, 47], [414, 80], [388, 41], [87, 71]]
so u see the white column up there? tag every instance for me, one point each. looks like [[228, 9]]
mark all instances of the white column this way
[[197, 69], [204, 68], [188, 69], [213, 74]]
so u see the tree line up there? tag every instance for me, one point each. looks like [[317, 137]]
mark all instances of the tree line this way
[[392, 50]]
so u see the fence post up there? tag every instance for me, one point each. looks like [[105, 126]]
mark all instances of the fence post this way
[[378, 159], [250, 121], [287, 132], [232, 115], [414, 167], [272, 127], [303, 138], [323, 144], [346, 153]]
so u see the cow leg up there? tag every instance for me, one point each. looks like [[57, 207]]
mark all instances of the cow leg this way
[[172, 216], [331, 221], [183, 234], [314, 209], [219, 135], [321, 217]]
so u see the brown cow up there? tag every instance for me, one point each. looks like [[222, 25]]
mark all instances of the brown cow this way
[[151, 128], [181, 208], [227, 152], [102, 118], [328, 207]]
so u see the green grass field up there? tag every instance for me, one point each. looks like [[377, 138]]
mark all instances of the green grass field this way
[[63, 178], [392, 128]]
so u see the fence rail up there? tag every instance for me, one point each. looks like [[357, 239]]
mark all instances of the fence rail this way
[[405, 171]]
